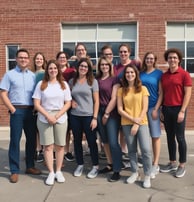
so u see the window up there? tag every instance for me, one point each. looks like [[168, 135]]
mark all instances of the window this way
[[95, 37], [181, 36], [11, 52]]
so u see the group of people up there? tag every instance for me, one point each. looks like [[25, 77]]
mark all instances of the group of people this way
[[124, 104]]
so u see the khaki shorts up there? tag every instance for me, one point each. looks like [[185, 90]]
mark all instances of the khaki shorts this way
[[52, 134]]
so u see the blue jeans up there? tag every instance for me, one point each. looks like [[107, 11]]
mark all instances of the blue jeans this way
[[143, 137], [22, 119], [80, 124], [174, 129], [109, 134]]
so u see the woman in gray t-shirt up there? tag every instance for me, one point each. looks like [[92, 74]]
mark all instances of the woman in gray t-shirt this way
[[83, 115]]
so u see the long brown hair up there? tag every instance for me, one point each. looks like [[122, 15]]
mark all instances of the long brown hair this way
[[99, 71], [46, 78], [144, 66], [89, 75], [34, 60], [137, 82]]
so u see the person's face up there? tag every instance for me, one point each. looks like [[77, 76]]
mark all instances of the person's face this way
[[52, 71], [124, 53], [83, 69], [81, 52], [150, 60], [130, 74], [39, 61], [173, 60], [104, 67], [62, 59], [22, 60], [108, 54]]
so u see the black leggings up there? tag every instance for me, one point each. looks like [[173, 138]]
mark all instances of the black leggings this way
[[174, 129]]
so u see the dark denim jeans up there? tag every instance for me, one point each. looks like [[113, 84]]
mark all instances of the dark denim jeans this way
[[109, 134], [22, 119], [174, 129], [80, 124]]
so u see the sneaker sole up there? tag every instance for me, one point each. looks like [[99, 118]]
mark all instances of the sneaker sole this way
[[167, 171], [178, 176], [70, 160]]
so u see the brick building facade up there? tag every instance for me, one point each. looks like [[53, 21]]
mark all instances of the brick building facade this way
[[38, 26]]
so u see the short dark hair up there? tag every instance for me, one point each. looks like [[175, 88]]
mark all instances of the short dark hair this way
[[22, 50], [173, 50]]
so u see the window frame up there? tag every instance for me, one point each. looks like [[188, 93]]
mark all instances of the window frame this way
[[96, 42], [182, 37]]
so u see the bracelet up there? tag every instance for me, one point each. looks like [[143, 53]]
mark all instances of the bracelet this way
[[95, 118]]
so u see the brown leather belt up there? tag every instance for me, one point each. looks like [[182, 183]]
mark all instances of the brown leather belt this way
[[23, 106]]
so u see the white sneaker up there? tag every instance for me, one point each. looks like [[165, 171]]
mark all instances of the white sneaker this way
[[132, 178], [50, 179], [78, 171], [93, 173], [59, 176], [147, 182], [155, 171]]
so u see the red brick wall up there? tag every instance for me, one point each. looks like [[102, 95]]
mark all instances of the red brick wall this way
[[36, 26]]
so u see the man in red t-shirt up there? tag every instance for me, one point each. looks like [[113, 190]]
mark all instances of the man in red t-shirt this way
[[176, 86]]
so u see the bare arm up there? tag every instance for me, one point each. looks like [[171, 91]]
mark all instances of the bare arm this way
[[159, 102], [95, 110], [112, 103], [6, 101], [186, 100]]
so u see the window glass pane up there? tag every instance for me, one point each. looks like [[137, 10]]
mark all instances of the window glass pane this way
[[12, 51], [11, 64], [190, 31], [175, 31], [79, 32], [190, 49], [117, 32], [190, 66], [69, 48], [177, 44]]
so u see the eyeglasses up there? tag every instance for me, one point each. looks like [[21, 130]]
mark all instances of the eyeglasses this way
[[23, 58], [84, 66], [62, 57], [170, 58], [123, 51]]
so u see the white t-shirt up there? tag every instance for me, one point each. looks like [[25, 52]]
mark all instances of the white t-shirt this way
[[52, 99]]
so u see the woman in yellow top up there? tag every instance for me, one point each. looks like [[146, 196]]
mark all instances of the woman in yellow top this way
[[132, 103]]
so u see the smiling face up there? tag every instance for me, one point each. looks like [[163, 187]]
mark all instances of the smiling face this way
[[52, 71], [22, 60], [83, 69], [104, 67], [130, 74], [108, 54], [39, 61], [124, 53], [81, 52], [173, 60], [150, 60], [62, 60]]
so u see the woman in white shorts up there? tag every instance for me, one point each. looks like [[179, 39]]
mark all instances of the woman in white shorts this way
[[52, 99]]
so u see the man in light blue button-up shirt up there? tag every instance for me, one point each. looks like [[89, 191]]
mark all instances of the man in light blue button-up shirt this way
[[17, 87]]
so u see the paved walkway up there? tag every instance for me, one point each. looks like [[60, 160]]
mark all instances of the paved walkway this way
[[165, 188]]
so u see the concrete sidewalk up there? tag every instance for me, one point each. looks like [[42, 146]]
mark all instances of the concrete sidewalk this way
[[165, 188]]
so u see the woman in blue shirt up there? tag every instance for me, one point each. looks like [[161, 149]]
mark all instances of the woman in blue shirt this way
[[150, 77]]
